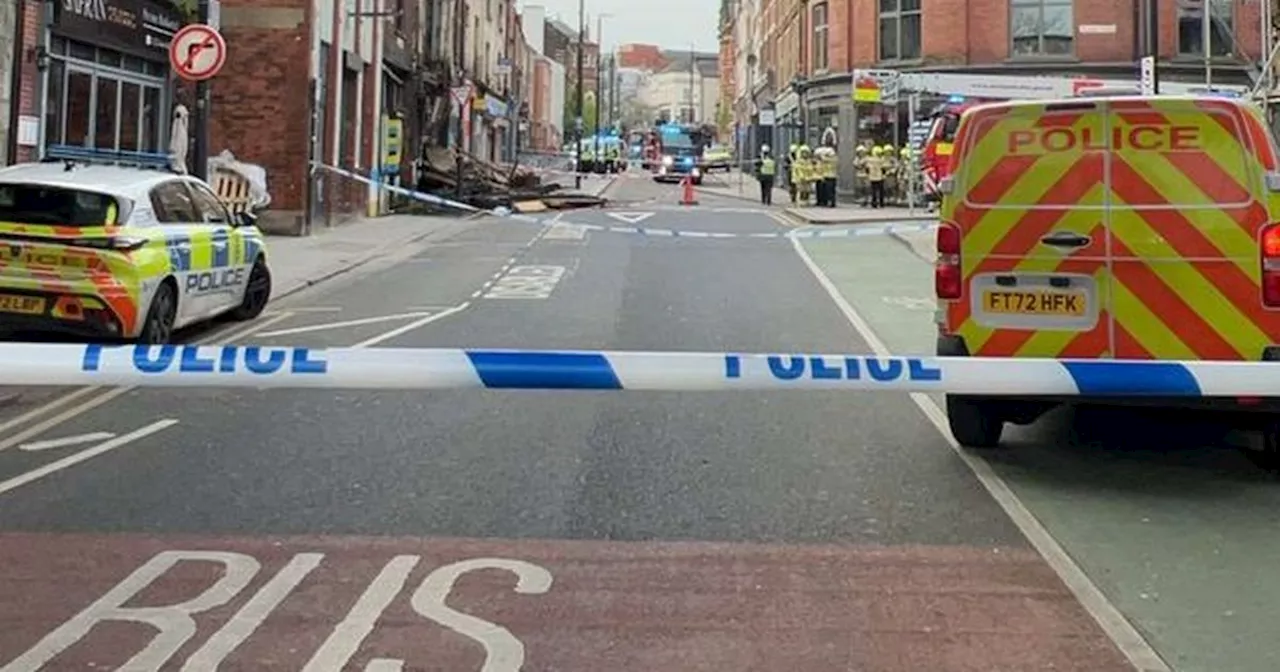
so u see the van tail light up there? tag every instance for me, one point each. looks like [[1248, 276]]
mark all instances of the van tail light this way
[[947, 278], [1271, 265]]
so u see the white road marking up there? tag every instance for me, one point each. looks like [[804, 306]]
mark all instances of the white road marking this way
[[174, 624], [910, 302], [386, 336], [231, 635], [503, 652], [345, 640], [89, 404], [527, 282], [566, 232], [307, 309], [1109, 618], [342, 325], [87, 454], [50, 444], [630, 217]]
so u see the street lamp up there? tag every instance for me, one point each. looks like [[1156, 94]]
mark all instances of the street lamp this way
[[578, 122], [599, 50]]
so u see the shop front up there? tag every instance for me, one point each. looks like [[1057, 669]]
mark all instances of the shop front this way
[[789, 122], [106, 76]]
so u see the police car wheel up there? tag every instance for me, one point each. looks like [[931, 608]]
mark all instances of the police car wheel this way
[[973, 423], [257, 293], [158, 329]]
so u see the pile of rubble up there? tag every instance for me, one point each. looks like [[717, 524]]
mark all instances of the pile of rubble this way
[[488, 185]]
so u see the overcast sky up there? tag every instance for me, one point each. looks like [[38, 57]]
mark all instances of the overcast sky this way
[[672, 24]]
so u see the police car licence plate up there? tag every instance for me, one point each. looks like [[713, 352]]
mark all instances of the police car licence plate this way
[[23, 305], [1034, 302]]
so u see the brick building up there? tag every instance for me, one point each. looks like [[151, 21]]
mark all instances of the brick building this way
[[561, 44], [810, 47]]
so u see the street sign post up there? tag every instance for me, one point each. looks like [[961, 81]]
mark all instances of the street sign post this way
[[197, 52]]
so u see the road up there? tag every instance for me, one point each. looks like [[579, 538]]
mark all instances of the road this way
[[381, 531]]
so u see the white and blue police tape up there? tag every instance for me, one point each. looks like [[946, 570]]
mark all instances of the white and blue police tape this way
[[421, 369], [824, 231]]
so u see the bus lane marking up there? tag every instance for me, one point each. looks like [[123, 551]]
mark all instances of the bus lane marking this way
[[527, 283], [175, 625]]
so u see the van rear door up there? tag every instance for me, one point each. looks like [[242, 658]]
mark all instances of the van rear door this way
[[1029, 201], [1189, 201]]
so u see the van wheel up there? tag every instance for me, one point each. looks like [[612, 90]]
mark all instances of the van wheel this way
[[158, 329], [974, 424], [1267, 459], [256, 293]]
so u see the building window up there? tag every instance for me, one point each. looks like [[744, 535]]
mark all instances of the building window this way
[[1191, 27], [820, 37], [899, 30], [1042, 27]]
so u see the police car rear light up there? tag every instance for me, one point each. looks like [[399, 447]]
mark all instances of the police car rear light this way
[[1270, 244], [118, 243], [947, 278]]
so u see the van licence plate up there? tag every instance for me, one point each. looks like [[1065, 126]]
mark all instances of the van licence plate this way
[[1034, 302], [24, 305]]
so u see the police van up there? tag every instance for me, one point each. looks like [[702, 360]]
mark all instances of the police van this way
[[113, 245], [1114, 227]]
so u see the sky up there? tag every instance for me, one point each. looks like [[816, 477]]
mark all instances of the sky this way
[[671, 24]]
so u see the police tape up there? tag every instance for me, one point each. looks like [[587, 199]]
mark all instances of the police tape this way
[[824, 231], [263, 367]]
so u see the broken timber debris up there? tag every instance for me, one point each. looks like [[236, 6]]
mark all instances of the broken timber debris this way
[[487, 185]]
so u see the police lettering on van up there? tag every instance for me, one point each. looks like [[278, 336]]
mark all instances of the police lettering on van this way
[[212, 281], [879, 369], [1145, 138]]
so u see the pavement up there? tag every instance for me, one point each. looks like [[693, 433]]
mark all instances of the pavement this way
[[321, 530]]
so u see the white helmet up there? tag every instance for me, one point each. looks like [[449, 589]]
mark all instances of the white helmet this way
[[764, 149]]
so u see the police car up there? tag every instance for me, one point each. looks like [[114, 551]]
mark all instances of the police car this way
[[112, 245]]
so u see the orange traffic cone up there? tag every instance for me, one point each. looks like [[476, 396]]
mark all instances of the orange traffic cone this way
[[688, 198]]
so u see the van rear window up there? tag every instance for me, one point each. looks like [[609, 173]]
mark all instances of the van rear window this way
[[1156, 158], [1032, 157], [54, 206]]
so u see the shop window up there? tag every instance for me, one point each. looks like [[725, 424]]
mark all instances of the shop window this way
[[820, 37], [54, 95], [1041, 28], [78, 113], [1191, 27], [151, 119], [900, 30], [130, 115], [82, 51], [106, 113]]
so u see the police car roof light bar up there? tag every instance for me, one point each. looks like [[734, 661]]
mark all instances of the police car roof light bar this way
[[88, 156]]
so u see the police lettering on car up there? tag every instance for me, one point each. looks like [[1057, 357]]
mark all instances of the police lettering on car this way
[[879, 369], [194, 359], [212, 281]]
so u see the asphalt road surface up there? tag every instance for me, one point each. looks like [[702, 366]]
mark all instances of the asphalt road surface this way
[[282, 530]]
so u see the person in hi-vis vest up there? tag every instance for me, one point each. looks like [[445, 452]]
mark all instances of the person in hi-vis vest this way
[[766, 172]]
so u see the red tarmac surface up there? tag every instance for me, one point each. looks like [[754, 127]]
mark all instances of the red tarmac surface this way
[[608, 606]]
